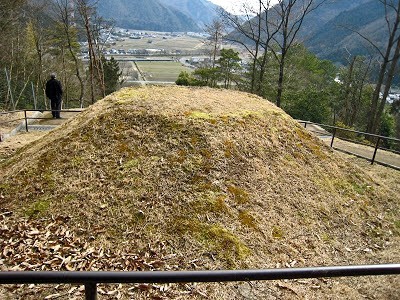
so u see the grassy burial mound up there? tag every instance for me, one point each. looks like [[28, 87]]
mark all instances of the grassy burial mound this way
[[173, 178]]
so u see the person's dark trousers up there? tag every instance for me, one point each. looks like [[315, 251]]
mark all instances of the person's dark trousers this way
[[55, 108], [53, 103]]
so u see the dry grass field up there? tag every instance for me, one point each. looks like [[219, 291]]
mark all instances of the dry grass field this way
[[176, 178]]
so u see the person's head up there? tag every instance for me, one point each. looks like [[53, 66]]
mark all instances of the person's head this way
[[53, 75]]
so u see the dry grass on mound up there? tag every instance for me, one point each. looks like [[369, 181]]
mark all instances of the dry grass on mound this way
[[212, 179], [10, 146]]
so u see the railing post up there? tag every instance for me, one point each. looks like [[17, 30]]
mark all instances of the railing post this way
[[26, 121], [91, 291], [333, 136], [376, 150], [305, 124]]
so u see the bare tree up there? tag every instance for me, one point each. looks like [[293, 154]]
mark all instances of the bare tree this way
[[255, 35], [291, 15], [274, 29], [10, 47], [87, 11], [38, 34], [64, 12], [365, 70], [355, 78], [389, 58], [20, 70], [216, 30], [100, 26], [9, 9], [389, 64]]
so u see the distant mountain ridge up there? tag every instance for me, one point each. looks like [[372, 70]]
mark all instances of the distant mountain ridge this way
[[338, 37], [159, 15], [201, 11], [330, 31], [325, 13]]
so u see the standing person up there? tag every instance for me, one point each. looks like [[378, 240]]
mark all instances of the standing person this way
[[54, 93]]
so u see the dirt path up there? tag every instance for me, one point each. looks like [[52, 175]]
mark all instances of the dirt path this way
[[382, 156], [65, 115]]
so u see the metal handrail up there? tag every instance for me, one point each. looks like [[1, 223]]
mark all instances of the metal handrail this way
[[350, 130], [26, 117], [32, 110], [91, 279], [10, 112], [376, 147], [61, 110]]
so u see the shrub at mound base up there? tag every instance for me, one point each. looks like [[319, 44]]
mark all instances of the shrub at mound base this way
[[190, 178]]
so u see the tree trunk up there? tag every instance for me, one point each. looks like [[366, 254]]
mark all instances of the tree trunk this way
[[347, 91], [375, 97], [388, 84], [280, 81], [375, 111]]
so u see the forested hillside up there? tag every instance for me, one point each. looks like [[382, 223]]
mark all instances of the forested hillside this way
[[330, 30], [146, 15], [326, 13], [201, 11], [340, 36]]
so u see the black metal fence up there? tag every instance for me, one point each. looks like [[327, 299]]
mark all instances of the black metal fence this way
[[91, 279], [373, 141], [26, 118]]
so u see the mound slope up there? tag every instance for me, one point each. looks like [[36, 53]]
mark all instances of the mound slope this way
[[191, 178]]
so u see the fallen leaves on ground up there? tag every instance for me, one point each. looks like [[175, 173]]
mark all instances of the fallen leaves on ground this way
[[48, 245]]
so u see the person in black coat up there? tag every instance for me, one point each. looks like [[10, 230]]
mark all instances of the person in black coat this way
[[54, 93]]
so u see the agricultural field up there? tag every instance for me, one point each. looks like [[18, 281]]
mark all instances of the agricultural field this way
[[168, 43], [166, 53], [167, 71], [159, 47]]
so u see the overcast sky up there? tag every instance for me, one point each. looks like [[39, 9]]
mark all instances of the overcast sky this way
[[235, 6]]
